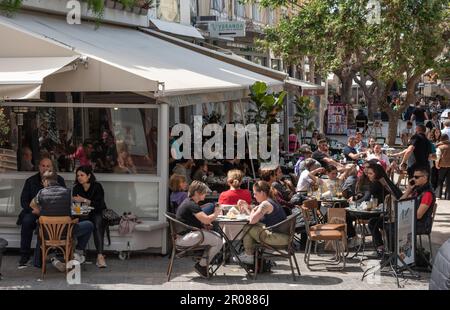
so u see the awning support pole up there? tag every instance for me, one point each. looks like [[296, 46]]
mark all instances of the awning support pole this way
[[246, 137]]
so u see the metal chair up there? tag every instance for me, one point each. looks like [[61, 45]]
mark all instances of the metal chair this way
[[3, 245], [177, 227], [322, 235], [286, 227], [56, 232]]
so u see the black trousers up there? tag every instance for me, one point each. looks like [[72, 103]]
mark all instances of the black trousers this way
[[375, 227], [26, 233], [443, 176], [99, 231]]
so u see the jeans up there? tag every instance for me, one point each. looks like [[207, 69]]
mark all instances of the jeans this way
[[81, 231], [26, 233], [208, 208], [375, 227], [443, 176], [99, 231]]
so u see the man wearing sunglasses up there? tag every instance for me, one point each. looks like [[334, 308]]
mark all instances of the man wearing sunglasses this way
[[421, 188]]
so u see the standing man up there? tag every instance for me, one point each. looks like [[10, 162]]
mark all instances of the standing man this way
[[443, 166], [420, 115], [421, 148], [26, 218]]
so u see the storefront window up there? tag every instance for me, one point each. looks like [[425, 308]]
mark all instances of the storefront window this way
[[111, 140]]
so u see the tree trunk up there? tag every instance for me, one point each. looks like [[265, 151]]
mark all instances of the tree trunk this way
[[393, 124], [346, 90], [371, 106]]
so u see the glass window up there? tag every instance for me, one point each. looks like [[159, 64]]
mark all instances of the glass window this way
[[218, 5], [239, 9], [111, 140], [260, 60], [256, 12], [276, 64]]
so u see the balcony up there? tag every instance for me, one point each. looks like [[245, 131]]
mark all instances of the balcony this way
[[113, 11]]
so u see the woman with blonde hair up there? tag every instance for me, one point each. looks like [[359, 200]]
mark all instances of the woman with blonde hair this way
[[235, 193]]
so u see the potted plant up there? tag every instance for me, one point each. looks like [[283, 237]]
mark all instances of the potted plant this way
[[9, 7], [303, 117]]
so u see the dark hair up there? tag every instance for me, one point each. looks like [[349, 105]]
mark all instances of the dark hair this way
[[263, 186], [423, 170], [331, 169], [378, 170], [409, 123], [87, 142], [88, 171], [267, 173], [322, 141], [422, 128], [444, 137]]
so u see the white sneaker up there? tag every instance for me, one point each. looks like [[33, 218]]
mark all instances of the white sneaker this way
[[247, 259], [58, 264], [79, 257]]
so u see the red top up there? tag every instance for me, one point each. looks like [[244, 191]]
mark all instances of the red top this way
[[231, 197], [427, 199]]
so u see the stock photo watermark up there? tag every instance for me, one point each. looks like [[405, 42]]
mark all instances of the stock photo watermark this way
[[262, 141]]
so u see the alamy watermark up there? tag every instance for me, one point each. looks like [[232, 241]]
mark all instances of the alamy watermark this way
[[73, 17], [260, 144]]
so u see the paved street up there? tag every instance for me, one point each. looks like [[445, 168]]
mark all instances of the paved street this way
[[144, 271]]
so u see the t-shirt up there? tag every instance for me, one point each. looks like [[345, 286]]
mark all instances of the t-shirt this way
[[427, 199], [349, 150], [178, 197], [419, 113], [422, 148], [304, 182], [186, 213], [319, 156], [231, 197]]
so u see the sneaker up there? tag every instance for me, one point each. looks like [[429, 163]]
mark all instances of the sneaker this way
[[101, 263], [24, 262], [58, 264], [79, 257], [247, 259], [201, 270]]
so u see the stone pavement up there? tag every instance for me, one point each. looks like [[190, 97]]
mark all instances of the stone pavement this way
[[145, 271]]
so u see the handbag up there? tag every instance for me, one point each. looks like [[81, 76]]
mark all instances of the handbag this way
[[127, 223], [110, 218]]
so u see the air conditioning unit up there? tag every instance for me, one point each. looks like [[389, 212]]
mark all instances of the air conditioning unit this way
[[211, 18]]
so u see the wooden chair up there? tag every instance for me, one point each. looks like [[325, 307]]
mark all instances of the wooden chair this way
[[315, 235], [263, 249], [197, 250], [56, 232]]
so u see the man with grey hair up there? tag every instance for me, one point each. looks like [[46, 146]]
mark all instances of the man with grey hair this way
[[56, 200], [27, 219]]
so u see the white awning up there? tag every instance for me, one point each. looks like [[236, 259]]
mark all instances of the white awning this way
[[21, 78], [176, 28], [306, 88], [125, 59]]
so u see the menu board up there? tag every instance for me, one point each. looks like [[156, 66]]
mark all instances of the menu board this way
[[337, 119], [8, 160]]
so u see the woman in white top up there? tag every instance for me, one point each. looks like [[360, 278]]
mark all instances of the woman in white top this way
[[380, 156]]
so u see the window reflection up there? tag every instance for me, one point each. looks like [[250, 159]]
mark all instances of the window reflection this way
[[120, 140]]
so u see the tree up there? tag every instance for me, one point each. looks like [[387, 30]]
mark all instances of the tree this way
[[303, 118], [400, 46]]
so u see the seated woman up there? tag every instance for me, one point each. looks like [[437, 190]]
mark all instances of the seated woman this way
[[87, 190], [178, 187], [266, 214], [200, 171], [235, 193], [190, 213], [271, 176]]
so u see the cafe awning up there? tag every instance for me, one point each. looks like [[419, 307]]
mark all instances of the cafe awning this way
[[176, 28], [125, 59], [22, 77], [304, 88]]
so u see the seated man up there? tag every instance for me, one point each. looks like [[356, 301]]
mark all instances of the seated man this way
[[350, 152], [421, 188], [323, 157], [27, 219], [190, 213], [55, 200]]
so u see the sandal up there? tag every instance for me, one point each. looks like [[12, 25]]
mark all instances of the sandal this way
[[101, 263]]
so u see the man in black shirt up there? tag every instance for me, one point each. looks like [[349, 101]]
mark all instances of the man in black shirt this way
[[27, 219], [420, 146], [350, 151], [56, 200], [361, 120], [420, 115], [190, 213]]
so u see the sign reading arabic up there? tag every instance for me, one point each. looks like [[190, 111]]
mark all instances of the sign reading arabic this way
[[229, 29]]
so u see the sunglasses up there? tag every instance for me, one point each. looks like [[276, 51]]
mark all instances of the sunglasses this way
[[417, 176]]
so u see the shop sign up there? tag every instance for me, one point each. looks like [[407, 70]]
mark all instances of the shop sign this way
[[226, 29], [313, 92]]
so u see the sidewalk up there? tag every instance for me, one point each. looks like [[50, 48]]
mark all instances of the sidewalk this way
[[144, 271]]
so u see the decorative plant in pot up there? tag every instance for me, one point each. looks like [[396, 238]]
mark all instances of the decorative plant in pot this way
[[303, 122], [9, 7], [267, 107]]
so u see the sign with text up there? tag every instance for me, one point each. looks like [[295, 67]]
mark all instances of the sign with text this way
[[226, 29], [406, 224], [313, 92]]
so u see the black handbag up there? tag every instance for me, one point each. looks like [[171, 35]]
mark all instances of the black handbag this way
[[110, 218]]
